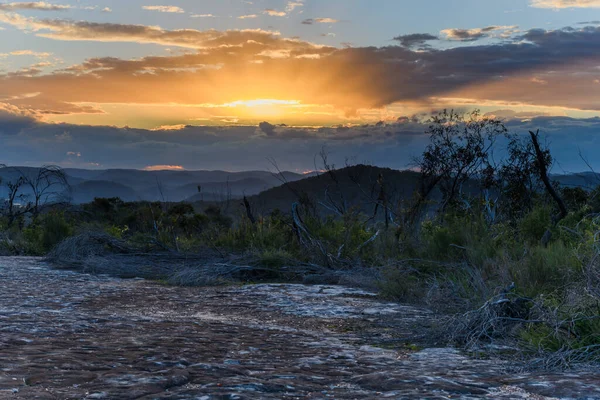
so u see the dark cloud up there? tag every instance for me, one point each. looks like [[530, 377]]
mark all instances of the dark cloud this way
[[393, 144], [12, 120], [267, 128], [25, 141], [471, 35], [415, 39]]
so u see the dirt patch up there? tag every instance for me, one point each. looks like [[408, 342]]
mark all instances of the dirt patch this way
[[65, 335]]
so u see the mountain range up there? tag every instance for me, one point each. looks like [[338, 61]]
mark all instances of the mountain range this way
[[356, 185], [174, 186]]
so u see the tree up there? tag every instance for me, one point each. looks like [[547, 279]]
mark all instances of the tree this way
[[13, 206], [460, 150], [48, 185], [29, 191], [522, 173], [541, 159]]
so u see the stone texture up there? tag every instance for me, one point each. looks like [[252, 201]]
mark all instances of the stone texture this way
[[65, 335]]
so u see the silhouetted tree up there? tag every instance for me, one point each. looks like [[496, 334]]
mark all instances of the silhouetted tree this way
[[48, 185], [16, 203], [460, 150], [29, 191]]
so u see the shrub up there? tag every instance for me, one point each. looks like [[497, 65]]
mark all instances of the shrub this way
[[45, 233], [534, 225], [401, 285], [274, 259], [545, 269], [55, 229]]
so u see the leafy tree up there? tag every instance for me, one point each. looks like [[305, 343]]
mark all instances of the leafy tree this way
[[460, 149], [474, 150], [518, 176]]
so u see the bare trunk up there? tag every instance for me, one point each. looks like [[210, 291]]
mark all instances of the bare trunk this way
[[549, 188]]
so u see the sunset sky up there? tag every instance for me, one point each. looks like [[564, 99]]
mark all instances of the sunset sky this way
[[226, 84]]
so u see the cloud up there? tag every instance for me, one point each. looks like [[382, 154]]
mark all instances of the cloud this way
[[165, 9], [27, 141], [64, 29], [202, 16], [470, 35], [39, 6], [248, 16], [267, 128], [415, 39], [326, 20], [560, 4], [274, 13], [292, 5], [229, 66], [164, 168], [13, 119], [311, 21], [30, 53]]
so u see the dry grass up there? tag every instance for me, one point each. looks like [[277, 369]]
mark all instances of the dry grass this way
[[497, 319], [99, 253]]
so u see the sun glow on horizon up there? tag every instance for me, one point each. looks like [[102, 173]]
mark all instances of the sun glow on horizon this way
[[263, 108], [152, 168], [261, 103]]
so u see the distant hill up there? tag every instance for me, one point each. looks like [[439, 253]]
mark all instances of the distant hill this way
[[585, 180], [86, 191], [133, 185], [235, 189], [356, 186]]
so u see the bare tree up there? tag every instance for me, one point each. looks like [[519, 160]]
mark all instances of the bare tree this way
[[543, 169], [338, 206], [48, 185], [29, 191], [16, 202], [304, 199], [248, 209]]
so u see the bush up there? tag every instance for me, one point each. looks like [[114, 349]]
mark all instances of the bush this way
[[534, 225], [544, 270], [401, 284], [45, 233], [274, 259]]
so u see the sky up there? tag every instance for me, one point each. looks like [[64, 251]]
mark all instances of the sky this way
[[229, 84]]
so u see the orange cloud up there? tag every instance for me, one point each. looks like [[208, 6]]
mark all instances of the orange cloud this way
[[164, 168], [238, 67], [558, 4], [274, 13]]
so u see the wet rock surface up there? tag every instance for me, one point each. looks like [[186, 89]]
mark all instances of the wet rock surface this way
[[65, 335]]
